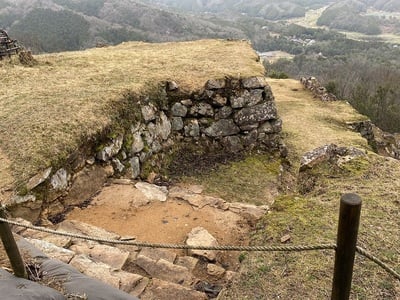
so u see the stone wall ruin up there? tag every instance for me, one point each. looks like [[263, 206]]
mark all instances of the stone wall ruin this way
[[319, 91], [227, 115]]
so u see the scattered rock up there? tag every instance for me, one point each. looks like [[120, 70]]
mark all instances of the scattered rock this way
[[230, 275], [328, 153], [201, 237], [172, 86], [286, 238], [215, 271], [38, 179], [248, 210], [153, 192]]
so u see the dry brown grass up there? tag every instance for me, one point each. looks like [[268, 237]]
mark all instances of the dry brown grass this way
[[49, 109]]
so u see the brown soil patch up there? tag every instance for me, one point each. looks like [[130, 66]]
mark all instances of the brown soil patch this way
[[122, 209]]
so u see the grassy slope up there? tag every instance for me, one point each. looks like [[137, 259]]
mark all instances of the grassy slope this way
[[312, 218], [49, 109]]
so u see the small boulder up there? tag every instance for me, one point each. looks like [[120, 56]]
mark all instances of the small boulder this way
[[38, 179], [153, 192], [201, 237], [215, 271]]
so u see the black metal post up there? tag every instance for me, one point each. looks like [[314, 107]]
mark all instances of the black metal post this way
[[349, 220], [11, 247]]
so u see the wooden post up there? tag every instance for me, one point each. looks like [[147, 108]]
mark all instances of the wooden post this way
[[349, 219], [11, 247]]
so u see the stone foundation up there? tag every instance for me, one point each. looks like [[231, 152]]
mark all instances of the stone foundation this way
[[228, 115]]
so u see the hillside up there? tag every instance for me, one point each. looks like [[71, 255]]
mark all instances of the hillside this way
[[271, 10], [59, 25]]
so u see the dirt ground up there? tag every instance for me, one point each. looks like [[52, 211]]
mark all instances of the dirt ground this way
[[123, 209]]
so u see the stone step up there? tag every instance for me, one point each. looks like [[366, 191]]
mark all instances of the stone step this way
[[160, 289], [115, 277], [109, 255], [169, 276]]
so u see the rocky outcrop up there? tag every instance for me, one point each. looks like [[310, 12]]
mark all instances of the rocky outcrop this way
[[327, 160], [228, 115], [319, 91], [384, 143]]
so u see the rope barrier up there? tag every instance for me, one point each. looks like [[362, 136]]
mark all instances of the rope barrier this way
[[298, 248], [379, 262], [174, 246]]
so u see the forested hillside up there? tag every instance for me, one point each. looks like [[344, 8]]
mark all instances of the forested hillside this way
[[271, 10], [57, 25], [363, 72], [353, 16]]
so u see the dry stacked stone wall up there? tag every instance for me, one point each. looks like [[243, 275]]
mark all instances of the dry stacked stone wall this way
[[227, 115], [319, 91]]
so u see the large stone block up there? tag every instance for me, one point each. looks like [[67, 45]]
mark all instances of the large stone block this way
[[85, 184], [254, 82], [223, 127], [255, 114], [247, 98]]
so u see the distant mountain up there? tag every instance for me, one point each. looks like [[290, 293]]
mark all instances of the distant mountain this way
[[57, 25], [385, 5], [268, 9], [351, 15]]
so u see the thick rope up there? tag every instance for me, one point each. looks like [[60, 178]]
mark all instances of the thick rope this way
[[217, 248], [376, 260], [174, 246]]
